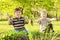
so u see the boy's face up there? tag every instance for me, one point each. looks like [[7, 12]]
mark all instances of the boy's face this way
[[18, 13], [43, 15]]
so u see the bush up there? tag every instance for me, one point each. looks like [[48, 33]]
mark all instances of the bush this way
[[36, 35], [14, 36]]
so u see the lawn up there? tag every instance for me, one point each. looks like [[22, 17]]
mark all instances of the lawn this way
[[5, 27]]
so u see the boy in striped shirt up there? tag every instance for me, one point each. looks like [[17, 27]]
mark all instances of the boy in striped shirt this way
[[18, 22]]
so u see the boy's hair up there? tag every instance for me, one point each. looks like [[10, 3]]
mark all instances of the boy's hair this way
[[43, 12], [19, 9]]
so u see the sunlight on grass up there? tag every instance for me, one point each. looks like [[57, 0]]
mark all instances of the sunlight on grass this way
[[5, 27]]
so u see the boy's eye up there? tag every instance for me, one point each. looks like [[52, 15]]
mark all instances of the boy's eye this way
[[18, 12]]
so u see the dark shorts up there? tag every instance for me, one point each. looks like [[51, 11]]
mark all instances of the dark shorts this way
[[50, 26]]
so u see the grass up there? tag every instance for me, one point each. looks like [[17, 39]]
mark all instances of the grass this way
[[33, 30], [5, 27], [56, 25]]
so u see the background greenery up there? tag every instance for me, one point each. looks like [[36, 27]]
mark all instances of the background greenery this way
[[32, 10], [31, 7]]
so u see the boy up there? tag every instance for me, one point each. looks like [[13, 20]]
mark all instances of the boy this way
[[44, 21], [18, 22]]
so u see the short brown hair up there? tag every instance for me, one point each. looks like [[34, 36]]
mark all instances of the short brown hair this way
[[19, 9]]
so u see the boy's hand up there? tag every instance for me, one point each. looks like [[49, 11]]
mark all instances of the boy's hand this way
[[10, 20], [9, 17]]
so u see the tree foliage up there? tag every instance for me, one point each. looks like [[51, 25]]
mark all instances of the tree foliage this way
[[8, 6]]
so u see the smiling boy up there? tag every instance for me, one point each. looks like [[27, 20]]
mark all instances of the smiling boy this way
[[18, 22], [44, 21]]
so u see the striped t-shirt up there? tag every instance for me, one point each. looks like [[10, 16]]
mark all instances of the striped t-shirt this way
[[18, 23]]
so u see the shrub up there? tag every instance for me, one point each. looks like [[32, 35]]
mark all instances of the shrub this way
[[14, 36], [36, 35]]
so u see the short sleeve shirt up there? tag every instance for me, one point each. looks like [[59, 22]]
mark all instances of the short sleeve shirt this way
[[43, 23]]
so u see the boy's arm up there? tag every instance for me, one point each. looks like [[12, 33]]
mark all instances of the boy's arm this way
[[49, 21], [10, 21], [38, 21], [25, 21]]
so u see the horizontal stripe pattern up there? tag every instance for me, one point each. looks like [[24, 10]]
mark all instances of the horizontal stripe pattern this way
[[18, 23]]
